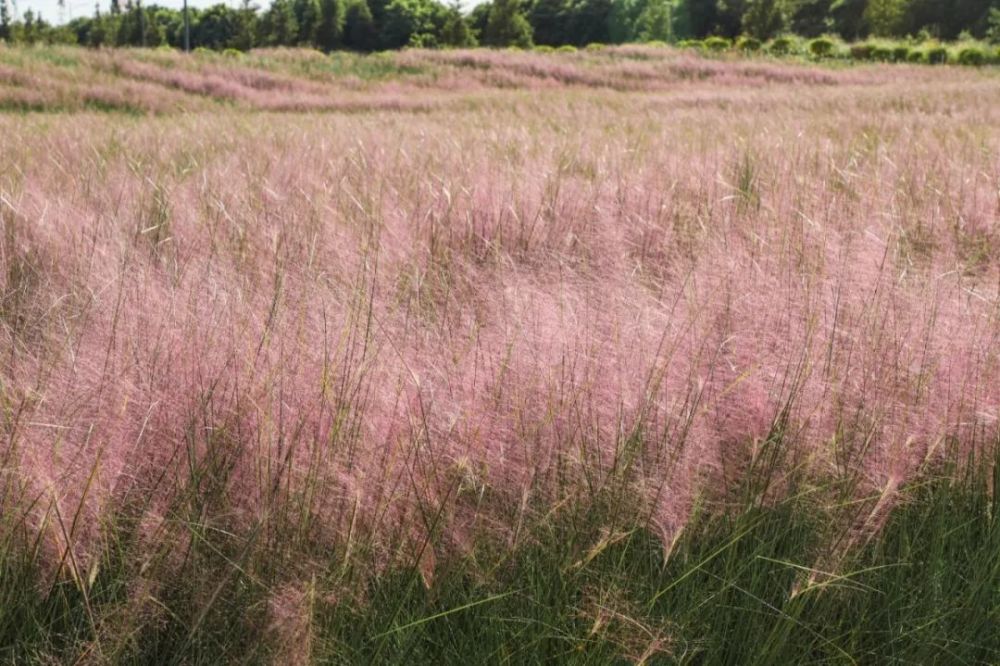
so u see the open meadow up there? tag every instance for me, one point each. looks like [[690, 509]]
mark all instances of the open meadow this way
[[629, 355]]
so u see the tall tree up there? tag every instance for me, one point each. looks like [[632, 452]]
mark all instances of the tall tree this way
[[215, 28], [993, 26], [550, 22], [330, 28], [622, 20], [507, 25], [359, 27], [479, 17], [307, 19], [729, 17], [886, 18], [588, 22], [763, 19], [277, 26], [849, 18], [700, 16], [456, 31], [656, 22], [246, 26], [5, 32], [810, 18], [412, 23]]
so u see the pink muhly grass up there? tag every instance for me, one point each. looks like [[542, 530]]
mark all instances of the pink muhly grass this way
[[376, 331]]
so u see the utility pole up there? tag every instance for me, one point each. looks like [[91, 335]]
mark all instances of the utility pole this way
[[187, 29]]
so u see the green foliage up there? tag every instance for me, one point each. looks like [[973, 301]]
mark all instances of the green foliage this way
[[937, 55], [810, 18], [716, 44], [218, 27], [972, 56], [748, 44], [862, 51], [307, 18], [821, 47], [655, 23], [848, 17], [763, 19], [916, 56], [881, 53], [621, 20], [456, 32], [543, 48], [278, 26], [886, 18], [566, 48], [507, 25], [359, 33], [329, 30], [993, 26], [595, 47], [781, 46], [550, 20], [412, 23], [5, 22], [365, 25]]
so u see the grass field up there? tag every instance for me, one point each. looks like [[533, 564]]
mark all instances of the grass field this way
[[619, 356]]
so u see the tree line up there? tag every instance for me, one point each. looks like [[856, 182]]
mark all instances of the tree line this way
[[370, 25]]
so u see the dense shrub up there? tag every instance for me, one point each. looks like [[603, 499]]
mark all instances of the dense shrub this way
[[717, 44], [861, 51], [688, 44], [781, 46], [566, 48], [882, 54], [900, 53], [821, 47], [748, 44], [972, 56], [232, 53], [916, 56], [937, 55], [543, 48], [595, 46]]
